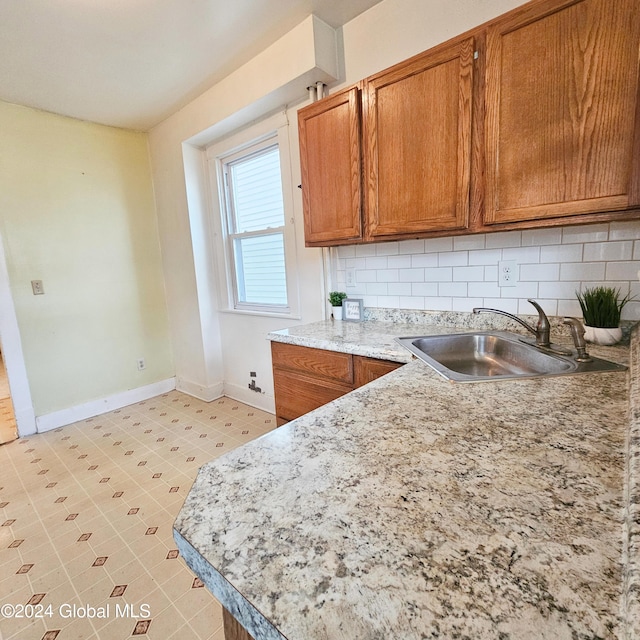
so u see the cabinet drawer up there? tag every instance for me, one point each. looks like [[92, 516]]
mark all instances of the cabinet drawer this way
[[298, 394], [315, 362], [369, 369]]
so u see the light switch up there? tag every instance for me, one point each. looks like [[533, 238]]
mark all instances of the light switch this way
[[37, 287]]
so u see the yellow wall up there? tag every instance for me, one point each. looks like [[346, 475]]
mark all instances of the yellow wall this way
[[77, 212]]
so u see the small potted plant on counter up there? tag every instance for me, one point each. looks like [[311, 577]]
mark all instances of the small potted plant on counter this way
[[336, 298], [601, 310]]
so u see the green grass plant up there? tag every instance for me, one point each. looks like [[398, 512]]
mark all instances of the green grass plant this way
[[602, 306]]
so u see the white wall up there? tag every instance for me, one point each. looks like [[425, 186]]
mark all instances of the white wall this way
[[206, 363], [78, 213], [394, 30]]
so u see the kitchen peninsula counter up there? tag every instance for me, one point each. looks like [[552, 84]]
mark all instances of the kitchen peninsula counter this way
[[419, 508]]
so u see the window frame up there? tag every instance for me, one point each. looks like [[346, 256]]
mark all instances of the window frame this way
[[271, 132]]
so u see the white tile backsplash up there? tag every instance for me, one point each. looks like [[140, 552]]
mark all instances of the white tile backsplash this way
[[426, 289], [622, 270], [606, 251], [438, 274], [539, 272], [485, 256], [445, 274], [586, 233], [453, 259], [538, 237], [503, 239], [462, 243], [582, 271], [436, 245], [561, 253]]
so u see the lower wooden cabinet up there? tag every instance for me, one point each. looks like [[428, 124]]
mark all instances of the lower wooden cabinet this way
[[305, 378], [366, 370], [233, 630]]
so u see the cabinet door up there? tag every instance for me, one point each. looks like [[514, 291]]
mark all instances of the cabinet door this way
[[561, 93], [297, 394], [418, 143], [369, 369], [305, 378], [331, 165]]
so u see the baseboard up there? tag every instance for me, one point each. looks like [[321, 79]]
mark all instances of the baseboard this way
[[208, 394], [64, 417], [260, 400], [26, 422]]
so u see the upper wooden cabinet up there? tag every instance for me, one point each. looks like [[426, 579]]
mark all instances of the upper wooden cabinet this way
[[413, 131], [417, 126], [561, 110], [532, 119], [331, 165]]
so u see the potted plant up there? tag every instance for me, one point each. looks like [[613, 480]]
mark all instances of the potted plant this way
[[601, 310], [336, 298]]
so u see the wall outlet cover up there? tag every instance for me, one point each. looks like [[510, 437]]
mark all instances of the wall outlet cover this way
[[507, 273], [37, 287]]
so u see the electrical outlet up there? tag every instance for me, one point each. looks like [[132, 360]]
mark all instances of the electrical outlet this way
[[507, 273], [141, 364], [351, 277], [37, 287]]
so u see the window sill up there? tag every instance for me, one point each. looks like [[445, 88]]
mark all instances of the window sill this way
[[286, 315]]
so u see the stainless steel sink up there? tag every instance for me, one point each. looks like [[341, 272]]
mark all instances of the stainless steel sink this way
[[495, 355]]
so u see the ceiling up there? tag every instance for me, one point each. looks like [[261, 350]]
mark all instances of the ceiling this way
[[131, 63]]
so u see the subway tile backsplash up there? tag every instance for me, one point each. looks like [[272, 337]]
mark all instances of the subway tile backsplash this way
[[459, 273]]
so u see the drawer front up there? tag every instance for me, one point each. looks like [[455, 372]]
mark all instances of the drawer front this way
[[370, 369], [314, 362], [298, 394]]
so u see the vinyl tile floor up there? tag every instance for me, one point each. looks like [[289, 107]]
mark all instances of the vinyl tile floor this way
[[86, 516]]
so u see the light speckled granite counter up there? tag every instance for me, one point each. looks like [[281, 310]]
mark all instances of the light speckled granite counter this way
[[419, 508]]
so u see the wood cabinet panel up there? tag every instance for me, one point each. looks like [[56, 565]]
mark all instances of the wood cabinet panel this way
[[418, 143], [316, 362], [561, 107], [331, 166], [369, 369], [305, 378], [297, 394], [233, 630], [530, 120]]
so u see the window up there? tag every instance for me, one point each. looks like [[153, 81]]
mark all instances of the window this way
[[256, 237], [255, 225]]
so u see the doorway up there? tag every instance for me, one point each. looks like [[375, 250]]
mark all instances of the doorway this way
[[8, 427], [13, 363]]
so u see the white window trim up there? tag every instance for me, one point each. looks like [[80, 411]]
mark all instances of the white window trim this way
[[276, 127]]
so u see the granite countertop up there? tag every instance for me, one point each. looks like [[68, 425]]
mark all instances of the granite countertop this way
[[419, 508]]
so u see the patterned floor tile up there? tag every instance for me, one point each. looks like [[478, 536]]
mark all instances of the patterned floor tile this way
[[88, 511]]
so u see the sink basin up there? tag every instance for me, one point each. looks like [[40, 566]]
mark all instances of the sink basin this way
[[495, 355]]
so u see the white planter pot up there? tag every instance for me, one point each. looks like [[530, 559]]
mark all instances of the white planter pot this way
[[601, 335], [337, 313]]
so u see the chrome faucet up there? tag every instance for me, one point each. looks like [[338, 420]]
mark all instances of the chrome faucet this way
[[577, 332], [542, 330]]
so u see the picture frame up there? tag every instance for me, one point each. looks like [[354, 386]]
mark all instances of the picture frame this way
[[352, 310]]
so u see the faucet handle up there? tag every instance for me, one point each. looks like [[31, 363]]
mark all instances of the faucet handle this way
[[543, 326], [577, 332], [576, 324]]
